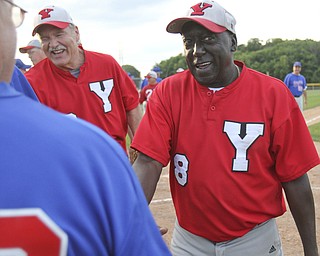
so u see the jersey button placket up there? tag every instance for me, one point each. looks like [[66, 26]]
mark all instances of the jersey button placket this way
[[212, 107]]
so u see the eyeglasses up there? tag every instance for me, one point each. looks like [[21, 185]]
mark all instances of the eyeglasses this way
[[17, 14]]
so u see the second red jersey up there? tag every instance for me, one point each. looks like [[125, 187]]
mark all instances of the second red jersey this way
[[101, 95]]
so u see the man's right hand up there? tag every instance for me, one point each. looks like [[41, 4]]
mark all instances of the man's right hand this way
[[163, 231]]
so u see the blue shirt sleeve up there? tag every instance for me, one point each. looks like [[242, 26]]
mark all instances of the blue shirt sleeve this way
[[21, 84]]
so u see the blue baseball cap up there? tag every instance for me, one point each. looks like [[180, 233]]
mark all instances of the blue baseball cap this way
[[21, 65], [297, 64], [157, 69]]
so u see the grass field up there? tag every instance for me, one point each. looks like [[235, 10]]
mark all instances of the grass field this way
[[315, 131], [314, 101], [313, 98]]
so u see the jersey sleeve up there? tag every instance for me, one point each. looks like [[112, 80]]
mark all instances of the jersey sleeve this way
[[153, 136], [21, 84], [286, 79], [142, 97], [130, 94], [292, 144], [305, 83]]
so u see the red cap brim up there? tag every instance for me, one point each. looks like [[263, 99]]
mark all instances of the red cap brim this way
[[25, 49], [58, 24], [176, 25]]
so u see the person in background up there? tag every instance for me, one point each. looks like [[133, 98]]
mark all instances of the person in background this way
[[179, 70], [23, 67], [85, 84], [67, 187], [146, 92], [34, 51], [235, 139], [297, 84], [159, 72], [159, 79], [130, 75]]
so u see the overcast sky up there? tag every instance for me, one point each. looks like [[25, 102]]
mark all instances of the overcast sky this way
[[133, 31]]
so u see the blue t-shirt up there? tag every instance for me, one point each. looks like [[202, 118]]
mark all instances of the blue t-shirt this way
[[21, 84], [67, 187], [296, 84]]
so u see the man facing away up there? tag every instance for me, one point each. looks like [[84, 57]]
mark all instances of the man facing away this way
[[66, 187]]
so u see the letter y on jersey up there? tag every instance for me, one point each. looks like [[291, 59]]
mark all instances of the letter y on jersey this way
[[242, 136]]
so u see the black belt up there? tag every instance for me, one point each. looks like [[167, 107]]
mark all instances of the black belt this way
[[297, 96]]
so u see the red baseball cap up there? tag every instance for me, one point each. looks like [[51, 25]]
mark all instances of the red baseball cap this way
[[151, 74], [32, 44], [207, 13], [52, 15]]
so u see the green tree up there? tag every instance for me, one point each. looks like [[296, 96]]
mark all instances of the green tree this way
[[274, 58], [277, 56], [132, 70], [134, 74], [254, 44], [170, 66]]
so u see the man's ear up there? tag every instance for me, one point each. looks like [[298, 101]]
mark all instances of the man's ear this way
[[234, 42], [76, 30]]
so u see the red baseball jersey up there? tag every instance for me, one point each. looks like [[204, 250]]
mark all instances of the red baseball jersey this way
[[229, 150], [101, 95], [146, 92]]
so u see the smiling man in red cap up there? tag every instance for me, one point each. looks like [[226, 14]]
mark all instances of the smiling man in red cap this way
[[86, 84], [235, 139]]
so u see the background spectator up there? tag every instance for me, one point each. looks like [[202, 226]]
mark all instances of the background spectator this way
[[34, 51]]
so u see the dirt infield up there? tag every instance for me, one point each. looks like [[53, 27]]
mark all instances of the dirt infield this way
[[163, 210], [312, 116]]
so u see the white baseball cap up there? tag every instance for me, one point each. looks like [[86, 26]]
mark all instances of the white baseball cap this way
[[32, 44], [152, 74], [52, 15], [207, 13]]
